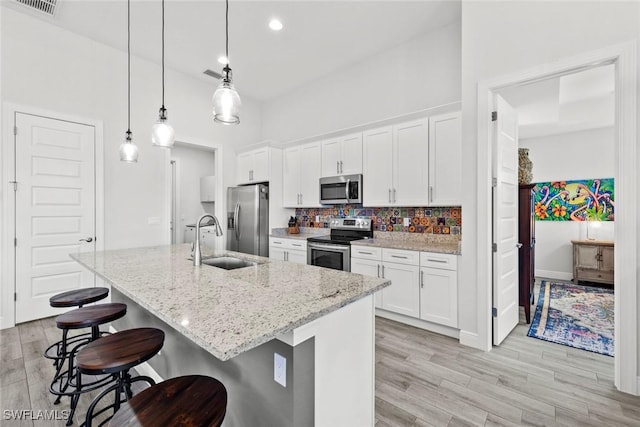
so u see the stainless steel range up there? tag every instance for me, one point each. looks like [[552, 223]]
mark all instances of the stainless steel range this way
[[334, 251]]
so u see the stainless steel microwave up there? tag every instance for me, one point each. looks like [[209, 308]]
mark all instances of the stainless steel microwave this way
[[341, 189]]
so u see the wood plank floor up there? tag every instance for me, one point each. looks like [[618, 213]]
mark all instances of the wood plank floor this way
[[422, 379]]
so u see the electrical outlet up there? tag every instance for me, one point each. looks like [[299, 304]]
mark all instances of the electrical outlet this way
[[280, 369], [406, 222]]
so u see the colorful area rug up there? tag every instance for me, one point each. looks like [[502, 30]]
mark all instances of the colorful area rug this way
[[576, 316]]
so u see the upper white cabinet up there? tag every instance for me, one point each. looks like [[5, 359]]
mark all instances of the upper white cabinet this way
[[395, 160], [445, 155], [301, 175], [253, 166], [342, 155]]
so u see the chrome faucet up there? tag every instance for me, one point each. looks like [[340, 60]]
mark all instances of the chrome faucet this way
[[197, 254]]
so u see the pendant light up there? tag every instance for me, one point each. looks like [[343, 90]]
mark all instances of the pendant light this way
[[128, 150], [226, 101], [162, 133]]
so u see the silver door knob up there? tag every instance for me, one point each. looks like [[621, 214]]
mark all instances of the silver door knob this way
[[518, 245], [88, 240]]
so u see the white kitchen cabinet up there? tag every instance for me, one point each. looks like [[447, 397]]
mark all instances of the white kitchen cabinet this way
[[301, 175], [395, 164], [368, 267], [253, 166], [445, 159], [342, 155], [439, 288], [377, 151], [283, 249]]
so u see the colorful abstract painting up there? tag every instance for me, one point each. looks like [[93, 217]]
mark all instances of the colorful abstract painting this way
[[579, 200]]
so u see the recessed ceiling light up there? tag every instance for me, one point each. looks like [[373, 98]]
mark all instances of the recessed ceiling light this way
[[275, 25], [223, 60]]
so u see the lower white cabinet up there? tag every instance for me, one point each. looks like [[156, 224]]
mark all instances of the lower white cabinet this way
[[293, 250], [424, 285]]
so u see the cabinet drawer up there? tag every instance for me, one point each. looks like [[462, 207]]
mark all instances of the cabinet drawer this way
[[365, 252], [595, 275], [298, 244], [441, 261], [401, 256]]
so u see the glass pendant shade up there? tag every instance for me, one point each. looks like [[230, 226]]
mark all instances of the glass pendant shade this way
[[162, 133], [226, 101], [128, 150]]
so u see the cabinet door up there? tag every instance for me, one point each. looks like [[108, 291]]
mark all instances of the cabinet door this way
[[290, 177], [276, 252], [299, 257], [445, 160], [244, 164], [411, 163], [260, 165], [351, 154], [331, 156], [606, 258], [439, 296], [377, 151], [371, 268], [587, 256], [310, 175], [403, 295]]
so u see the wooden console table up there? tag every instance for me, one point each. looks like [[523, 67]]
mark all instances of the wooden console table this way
[[593, 261]]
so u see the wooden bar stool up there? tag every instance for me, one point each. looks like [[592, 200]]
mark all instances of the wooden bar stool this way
[[115, 355], [192, 400], [80, 318], [74, 298]]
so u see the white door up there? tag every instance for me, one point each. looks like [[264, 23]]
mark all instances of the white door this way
[[505, 221], [439, 296], [411, 163], [371, 268], [291, 177], [331, 156], [351, 154], [310, 175], [377, 150], [276, 253], [403, 295], [55, 210]]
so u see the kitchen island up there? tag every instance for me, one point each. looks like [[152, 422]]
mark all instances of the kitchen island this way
[[230, 323]]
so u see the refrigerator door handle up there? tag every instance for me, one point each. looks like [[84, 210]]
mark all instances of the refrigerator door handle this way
[[236, 217]]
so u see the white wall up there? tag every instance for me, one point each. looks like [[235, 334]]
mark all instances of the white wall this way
[[50, 68], [422, 73], [576, 155], [499, 38], [191, 165]]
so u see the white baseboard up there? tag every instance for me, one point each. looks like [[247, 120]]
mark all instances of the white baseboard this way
[[422, 324], [550, 274], [144, 368]]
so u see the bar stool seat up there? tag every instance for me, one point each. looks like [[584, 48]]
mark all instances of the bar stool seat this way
[[192, 400], [115, 354], [78, 297], [66, 349]]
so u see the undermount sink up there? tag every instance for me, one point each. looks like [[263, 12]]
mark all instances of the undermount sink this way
[[227, 262]]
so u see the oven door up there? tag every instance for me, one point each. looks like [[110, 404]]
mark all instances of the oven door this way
[[337, 257]]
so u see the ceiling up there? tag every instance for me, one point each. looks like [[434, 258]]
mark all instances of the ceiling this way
[[570, 103], [319, 37]]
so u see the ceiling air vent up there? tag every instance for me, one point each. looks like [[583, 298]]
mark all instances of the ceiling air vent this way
[[213, 74], [47, 7]]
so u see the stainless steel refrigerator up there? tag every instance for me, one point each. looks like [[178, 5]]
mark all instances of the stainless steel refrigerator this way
[[248, 219]]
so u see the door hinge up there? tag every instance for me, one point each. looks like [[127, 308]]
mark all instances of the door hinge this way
[[494, 116], [494, 247], [494, 182], [494, 312], [15, 130], [15, 241], [15, 296]]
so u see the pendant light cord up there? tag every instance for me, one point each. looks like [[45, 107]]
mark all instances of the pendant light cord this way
[[227, 32], [129, 68], [163, 54]]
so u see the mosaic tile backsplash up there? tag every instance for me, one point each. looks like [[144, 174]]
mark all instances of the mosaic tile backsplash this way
[[440, 220]]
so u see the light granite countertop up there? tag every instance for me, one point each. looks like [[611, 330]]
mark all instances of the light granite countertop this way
[[227, 312], [437, 247], [304, 233]]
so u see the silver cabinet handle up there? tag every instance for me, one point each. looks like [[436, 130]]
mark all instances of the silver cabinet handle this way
[[422, 278], [341, 170], [378, 270], [398, 256], [394, 195], [442, 261], [389, 195], [300, 198], [337, 166], [88, 240], [286, 255], [277, 243], [299, 245], [430, 193], [383, 271], [366, 253]]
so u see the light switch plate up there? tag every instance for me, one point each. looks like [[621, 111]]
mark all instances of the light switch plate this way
[[280, 369]]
